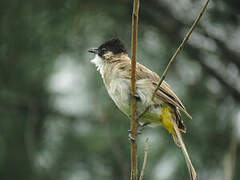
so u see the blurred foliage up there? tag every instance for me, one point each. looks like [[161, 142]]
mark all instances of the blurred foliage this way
[[57, 121]]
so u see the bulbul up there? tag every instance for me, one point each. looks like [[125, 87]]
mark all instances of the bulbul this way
[[114, 65]]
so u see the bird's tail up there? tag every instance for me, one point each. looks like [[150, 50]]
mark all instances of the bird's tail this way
[[177, 137]]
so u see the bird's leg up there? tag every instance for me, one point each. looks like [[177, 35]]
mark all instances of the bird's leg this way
[[130, 138], [146, 110], [136, 96], [139, 130], [142, 126]]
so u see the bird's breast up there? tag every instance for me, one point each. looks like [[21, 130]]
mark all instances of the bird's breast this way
[[119, 91]]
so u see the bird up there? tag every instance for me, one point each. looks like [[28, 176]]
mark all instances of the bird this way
[[112, 61]]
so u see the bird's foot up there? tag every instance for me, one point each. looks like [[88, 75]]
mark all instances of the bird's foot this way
[[139, 131], [130, 138], [143, 125], [142, 114], [137, 97], [130, 135]]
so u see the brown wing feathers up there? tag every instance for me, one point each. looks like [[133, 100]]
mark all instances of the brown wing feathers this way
[[164, 93], [170, 97]]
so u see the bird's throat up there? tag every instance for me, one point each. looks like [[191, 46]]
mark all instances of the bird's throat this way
[[100, 64]]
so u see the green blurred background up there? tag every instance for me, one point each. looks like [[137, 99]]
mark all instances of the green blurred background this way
[[57, 120]]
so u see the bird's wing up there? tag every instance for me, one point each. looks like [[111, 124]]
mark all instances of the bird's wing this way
[[164, 92], [167, 95]]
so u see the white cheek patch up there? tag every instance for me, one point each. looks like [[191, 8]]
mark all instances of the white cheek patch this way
[[96, 60], [100, 64]]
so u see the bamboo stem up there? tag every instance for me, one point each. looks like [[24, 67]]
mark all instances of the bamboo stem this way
[[134, 120]]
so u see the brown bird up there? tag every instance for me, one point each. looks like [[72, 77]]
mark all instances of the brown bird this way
[[114, 65]]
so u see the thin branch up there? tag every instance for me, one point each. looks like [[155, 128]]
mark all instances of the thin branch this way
[[175, 55], [133, 91], [180, 48], [144, 160], [151, 18], [134, 119]]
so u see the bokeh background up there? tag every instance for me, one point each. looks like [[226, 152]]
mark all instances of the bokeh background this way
[[57, 120]]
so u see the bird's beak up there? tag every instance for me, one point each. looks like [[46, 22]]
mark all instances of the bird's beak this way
[[93, 50]]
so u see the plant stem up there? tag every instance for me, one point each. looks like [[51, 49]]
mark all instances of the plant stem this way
[[144, 160], [134, 120], [180, 48]]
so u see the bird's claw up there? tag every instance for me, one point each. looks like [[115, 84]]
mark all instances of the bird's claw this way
[[137, 97], [142, 126], [139, 131], [130, 137]]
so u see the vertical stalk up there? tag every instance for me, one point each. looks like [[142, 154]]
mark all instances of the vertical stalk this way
[[134, 122], [180, 48]]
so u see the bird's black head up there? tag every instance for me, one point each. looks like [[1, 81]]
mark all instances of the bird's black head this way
[[114, 45]]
